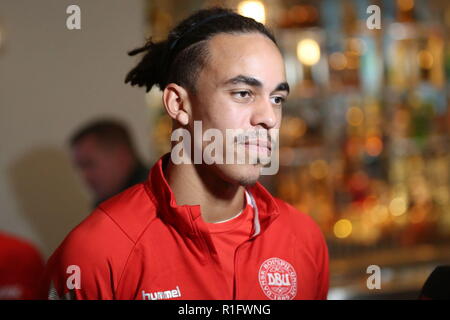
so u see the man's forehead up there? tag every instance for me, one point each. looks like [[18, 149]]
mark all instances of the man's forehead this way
[[251, 54], [236, 37], [241, 45]]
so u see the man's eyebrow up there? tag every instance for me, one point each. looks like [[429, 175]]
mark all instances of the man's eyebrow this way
[[284, 86], [245, 80]]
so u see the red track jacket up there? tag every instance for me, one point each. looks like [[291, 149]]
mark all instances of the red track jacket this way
[[141, 245]]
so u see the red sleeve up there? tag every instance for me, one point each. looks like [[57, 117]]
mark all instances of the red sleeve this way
[[88, 263]]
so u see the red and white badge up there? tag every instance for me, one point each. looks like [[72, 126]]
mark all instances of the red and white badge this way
[[278, 279]]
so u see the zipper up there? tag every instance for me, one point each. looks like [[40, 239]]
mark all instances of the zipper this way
[[206, 251], [236, 262], [235, 271], [257, 231]]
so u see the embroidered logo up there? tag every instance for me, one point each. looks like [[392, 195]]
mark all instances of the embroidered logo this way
[[278, 279], [160, 295]]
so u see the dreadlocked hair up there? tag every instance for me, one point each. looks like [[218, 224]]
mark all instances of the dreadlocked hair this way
[[180, 57]]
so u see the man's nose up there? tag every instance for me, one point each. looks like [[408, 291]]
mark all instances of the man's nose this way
[[264, 115]]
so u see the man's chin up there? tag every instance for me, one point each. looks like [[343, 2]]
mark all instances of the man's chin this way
[[248, 181], [244, 175]]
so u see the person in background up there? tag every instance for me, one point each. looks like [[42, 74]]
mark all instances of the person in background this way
[[105, 155], [21, 269]]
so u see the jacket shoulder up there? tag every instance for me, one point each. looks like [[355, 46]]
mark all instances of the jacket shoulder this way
[[100, 245], [132, 210], [304, 225], [89, 261]]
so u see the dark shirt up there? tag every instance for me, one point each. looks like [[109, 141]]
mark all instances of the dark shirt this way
[[139, 174]]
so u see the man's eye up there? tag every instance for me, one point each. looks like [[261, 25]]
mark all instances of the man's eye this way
[[242, 94], [278, 100]]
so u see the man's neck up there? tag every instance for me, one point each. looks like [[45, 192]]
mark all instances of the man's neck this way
[[191, 185]]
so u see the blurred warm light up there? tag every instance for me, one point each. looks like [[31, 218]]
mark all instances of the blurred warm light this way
[[379, 214], [357, 46], [418, 216], [417, 163], [352, 61], [253, 9], [303, 14], [296, 127], [369, 202], [420, 191], [298, 13], [425, 59], [405, 5], [398, 206], [318, 169], [374, 146], [342, 228], [313, 13], [308, 52], [352, 147], [287, 156], [338, 61], [354, 116], [359, 181], [442, 195]]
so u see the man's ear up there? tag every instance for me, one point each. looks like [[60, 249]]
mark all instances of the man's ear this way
[[177, 104]]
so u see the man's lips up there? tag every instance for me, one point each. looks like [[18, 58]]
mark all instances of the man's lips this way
[[259, 143]]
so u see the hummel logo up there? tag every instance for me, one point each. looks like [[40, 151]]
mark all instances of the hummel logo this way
[[160, 295]]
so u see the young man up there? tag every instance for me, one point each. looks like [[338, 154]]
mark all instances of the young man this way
[[197, 230]]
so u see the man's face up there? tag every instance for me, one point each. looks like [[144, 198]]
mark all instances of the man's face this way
[[99, 165], [242, 86]]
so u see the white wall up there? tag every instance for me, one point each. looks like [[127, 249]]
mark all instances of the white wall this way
[[52, 80]]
